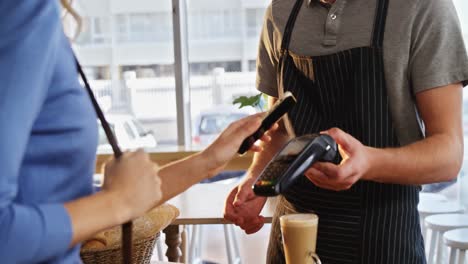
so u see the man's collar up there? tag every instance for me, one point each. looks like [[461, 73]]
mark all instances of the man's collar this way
[[320, 2]]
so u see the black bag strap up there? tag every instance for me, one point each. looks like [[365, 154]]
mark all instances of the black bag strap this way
[[105, 125], [127, 227]]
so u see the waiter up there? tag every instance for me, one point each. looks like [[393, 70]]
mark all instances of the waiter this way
[[384, 79]]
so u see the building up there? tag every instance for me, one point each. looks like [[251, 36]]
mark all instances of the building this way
[[123, 40], [121, 35], [127, 50]]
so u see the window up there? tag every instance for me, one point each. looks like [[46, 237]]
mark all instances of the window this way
[[144, 27], [127, 51], [96, 30], [215, 124], [129, 131], [220, 56], [97, 72], [214, 24], [206, 68], [254, 22], [145, 71], [102, 139], [128, 56], [252, 65], [139, 129]]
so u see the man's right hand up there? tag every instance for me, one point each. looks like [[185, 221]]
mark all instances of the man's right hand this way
[[243, 207]]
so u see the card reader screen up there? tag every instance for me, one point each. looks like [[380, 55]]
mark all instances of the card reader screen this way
[[277, 167]]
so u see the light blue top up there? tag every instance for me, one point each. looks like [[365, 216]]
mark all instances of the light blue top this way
[[48, 135]]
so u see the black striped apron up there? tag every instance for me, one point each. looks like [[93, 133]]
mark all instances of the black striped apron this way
[[371, 222]]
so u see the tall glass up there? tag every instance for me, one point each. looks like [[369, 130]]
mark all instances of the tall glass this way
[[299, 233]]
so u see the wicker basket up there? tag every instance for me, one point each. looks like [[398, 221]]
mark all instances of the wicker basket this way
[[142, 252], [106, 247]]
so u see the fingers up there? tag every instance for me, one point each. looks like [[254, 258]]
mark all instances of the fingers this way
[[266, 138], [274, 127], [330, 176], [250, 226], [230, 213], [241, 210], [343, 139], [253, 120], [253, 229], [250, 124], [247, 126], [318, 178], [331, 170], [260, 115], [313, 173], [256, 148], [242, 196], [242, 128], [350, 170], [323, 182], [253, 225]]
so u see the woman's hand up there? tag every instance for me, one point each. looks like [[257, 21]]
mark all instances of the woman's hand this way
[[354, 166], [134, 182], [223, 149]]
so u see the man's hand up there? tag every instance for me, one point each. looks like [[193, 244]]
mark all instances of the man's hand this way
[[354, 166], [243, 207]]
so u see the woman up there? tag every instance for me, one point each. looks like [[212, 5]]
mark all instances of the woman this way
[[48, 140]]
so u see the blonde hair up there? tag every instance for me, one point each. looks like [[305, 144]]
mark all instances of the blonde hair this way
[[69, 10]]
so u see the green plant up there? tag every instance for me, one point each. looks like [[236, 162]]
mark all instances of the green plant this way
[[254, 101]]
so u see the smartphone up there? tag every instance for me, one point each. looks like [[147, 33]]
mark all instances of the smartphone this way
[[290, 163], [281, 107]]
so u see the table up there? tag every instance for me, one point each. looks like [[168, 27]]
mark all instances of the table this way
[[170, 155], [159, 262], [202, 204]]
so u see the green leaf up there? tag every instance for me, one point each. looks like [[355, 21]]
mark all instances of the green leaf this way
[[244, 101]]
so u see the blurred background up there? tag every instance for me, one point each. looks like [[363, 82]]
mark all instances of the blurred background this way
[[127, 49]]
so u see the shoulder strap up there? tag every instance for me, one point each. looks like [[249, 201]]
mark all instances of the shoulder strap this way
[[105, 125], [127, 227], [379, 23], [290, 26]]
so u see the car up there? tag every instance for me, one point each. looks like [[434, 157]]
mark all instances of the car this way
[[209, 123], [129, 132]]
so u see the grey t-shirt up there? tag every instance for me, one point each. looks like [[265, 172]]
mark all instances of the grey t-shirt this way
[[423, 47]]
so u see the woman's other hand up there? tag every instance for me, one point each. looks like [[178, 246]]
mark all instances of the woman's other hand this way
[[134, 182], [223, 149]]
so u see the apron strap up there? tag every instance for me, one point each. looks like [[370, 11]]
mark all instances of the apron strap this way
[[379, 24], [290, 26]]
